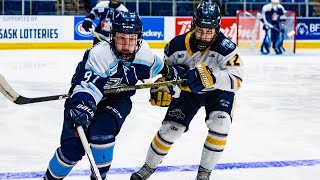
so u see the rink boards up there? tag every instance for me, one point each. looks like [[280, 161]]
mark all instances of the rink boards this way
[[66, 32]]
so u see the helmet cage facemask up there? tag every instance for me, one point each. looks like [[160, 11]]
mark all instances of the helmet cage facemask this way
[[205, 24], [129, 56]]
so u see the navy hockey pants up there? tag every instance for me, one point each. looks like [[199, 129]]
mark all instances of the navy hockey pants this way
[[183, 109]]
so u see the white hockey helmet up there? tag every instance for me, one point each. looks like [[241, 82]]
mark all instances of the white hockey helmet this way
[[275, 1]]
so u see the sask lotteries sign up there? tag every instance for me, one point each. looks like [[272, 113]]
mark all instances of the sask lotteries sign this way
[[34, 28]]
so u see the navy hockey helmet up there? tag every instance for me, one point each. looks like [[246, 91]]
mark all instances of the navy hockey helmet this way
[[207, 15], [127, 23]]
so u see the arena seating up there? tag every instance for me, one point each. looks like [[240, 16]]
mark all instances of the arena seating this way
[[147, 8], [38, 7]]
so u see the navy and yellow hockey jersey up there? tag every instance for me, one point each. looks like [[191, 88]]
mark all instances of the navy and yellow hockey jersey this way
[[222, 57]]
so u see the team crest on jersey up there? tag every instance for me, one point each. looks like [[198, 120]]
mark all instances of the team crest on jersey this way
[[177, 113], [113, 82], [227, 44]]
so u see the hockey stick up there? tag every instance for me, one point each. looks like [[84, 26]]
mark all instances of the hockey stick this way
[[87, 149], [289, 34], [143, 86], [16, 98], [99, 36]]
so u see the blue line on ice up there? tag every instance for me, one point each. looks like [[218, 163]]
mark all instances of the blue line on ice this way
[[182, 168]]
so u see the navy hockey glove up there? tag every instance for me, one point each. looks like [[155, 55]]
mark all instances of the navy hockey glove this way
[[176, 72], [87, 24], [199, 78], [80, 112], [161, 96]]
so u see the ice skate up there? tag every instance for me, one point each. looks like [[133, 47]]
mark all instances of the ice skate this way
[[203, 174], [143, 174]]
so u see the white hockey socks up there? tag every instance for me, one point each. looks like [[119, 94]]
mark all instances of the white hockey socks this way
[[169, 132]]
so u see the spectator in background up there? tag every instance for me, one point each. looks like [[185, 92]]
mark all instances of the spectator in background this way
[[273, 18], [105, 11]]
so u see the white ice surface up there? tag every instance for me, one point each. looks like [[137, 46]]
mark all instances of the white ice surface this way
[[276, 119]]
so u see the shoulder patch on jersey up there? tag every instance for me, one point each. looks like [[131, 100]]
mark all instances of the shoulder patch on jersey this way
[[227, 44]]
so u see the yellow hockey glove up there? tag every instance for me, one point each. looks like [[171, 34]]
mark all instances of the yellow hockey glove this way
[[160, 96]]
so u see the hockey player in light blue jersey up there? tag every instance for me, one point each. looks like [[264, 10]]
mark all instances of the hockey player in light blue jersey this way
[[273, 16], [215, 74], [105, 11], [127, 59]]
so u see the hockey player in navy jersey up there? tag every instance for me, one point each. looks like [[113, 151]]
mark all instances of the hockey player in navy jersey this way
[[273, 17], [105, 11], [215, 74], [127, 59]]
